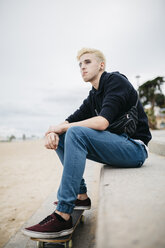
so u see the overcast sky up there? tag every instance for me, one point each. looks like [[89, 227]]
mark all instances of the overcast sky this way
[[40, 39]]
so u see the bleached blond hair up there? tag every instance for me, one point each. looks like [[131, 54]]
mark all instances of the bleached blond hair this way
[[99, 55]]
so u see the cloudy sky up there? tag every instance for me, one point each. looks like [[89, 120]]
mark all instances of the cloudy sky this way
[[39, 75]]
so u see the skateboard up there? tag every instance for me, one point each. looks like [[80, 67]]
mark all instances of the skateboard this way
[[77, 217]]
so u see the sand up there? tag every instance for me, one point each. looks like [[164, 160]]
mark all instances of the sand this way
[[28, 173]]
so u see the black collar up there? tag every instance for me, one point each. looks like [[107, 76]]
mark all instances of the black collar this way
[[101, 84]]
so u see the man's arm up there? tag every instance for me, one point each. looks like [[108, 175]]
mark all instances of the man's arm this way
[[98, 123], [52, 135]]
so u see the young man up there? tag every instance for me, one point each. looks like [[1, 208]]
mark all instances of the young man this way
[[85, 134]]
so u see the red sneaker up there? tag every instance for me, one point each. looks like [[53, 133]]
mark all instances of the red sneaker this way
[[51, 227]]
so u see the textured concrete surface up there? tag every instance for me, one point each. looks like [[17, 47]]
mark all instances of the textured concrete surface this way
[[132, 206], [84, 235], [157, 144]]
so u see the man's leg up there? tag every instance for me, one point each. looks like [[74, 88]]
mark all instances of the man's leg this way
[[74, 158], [60, 152], [101, 146]]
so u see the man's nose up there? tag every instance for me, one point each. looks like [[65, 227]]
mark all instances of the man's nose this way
[[83, 66]]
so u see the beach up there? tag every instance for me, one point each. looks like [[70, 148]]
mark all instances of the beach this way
[[27, 174]]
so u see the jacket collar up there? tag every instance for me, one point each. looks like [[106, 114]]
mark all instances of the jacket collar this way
[[101, 84]]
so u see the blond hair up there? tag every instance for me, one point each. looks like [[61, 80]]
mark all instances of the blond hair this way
[[97, 53]]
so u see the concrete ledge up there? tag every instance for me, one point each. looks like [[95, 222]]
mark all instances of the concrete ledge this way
[[157, 147], [131, 210], [157, 144]]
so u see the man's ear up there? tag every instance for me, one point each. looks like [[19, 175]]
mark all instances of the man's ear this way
[[102, 65]]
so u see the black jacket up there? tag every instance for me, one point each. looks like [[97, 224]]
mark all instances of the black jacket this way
[[114, 97]]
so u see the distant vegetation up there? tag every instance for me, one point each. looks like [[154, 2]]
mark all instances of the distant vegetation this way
[[12, 137], [151, 94]]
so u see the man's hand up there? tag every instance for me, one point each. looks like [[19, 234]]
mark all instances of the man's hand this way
[[59, 129], [51, 141]]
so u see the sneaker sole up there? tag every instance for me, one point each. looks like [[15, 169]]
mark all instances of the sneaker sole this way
[[80, 207], [46, 235]]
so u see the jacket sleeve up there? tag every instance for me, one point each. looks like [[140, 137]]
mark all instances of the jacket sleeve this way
[[82, 113], [115, 97]]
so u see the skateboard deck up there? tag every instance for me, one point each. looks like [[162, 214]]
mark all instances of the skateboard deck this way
[[77, 217]]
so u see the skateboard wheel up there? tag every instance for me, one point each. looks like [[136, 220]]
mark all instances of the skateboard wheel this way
[[68, 244], [40, 244], [82, 220]]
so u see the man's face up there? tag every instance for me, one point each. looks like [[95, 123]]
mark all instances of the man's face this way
[[89, 66]]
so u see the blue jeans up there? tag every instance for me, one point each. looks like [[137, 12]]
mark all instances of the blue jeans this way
[[79, 143]]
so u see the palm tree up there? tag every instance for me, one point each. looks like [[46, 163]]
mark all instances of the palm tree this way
[[151, 93]]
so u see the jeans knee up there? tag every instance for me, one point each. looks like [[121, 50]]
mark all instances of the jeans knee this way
[[74, 130]]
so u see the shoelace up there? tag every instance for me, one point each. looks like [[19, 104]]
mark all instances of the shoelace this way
[[49, 217]]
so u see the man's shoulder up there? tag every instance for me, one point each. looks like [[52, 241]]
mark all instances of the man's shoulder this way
[[115, 74], [116, 78]]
